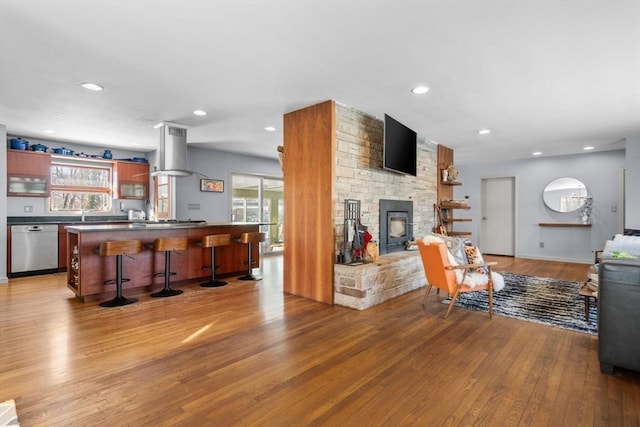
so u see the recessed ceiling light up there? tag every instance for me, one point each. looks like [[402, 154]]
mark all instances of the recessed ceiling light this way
[[48, 131], [484, 131], [200, 113], [537, 153], [589, 147], [92, 86], [419, 90], [270, 129]]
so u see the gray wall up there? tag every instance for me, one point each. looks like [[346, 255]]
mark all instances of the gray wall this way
[[3, 208], [632, 179], [191, 203], [598, 171]]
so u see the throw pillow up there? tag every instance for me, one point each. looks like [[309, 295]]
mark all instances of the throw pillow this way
[[455, 245], [475, 257]]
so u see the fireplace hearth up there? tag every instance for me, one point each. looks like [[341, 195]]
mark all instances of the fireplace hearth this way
[[396, 224]]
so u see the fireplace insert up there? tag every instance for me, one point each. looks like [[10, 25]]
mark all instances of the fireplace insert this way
[[396, 219]]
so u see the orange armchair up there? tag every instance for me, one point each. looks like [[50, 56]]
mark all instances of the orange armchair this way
[[441, 273]]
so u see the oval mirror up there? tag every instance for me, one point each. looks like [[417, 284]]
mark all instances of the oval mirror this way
[[565, 194]]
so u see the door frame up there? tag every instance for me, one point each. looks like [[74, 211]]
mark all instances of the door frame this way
[[514, 209], [261, 178]]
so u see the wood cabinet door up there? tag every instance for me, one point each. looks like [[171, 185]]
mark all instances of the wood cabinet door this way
[[133, 180], [28, 173], [62, 248], [133, 172], [28, 163]]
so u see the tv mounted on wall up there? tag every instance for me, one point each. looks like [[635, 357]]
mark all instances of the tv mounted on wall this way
[[399, 147]]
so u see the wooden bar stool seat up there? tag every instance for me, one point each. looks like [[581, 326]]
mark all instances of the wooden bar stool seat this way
[[168, 245], [118, 248], [250, 239], [214, 241]]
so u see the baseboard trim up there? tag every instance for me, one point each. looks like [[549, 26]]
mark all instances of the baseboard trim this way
[[572, 260]]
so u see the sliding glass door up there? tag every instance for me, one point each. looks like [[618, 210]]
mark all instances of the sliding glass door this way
[[259, 199]]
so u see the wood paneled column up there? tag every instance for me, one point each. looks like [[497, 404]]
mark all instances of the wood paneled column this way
[[308, 168]]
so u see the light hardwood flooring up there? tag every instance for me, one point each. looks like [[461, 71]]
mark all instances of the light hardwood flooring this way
[[247, 354]]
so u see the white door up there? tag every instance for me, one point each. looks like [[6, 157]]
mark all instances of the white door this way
[[497, 226]]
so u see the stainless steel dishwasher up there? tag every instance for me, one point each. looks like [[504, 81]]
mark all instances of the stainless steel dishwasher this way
[[34, 247]]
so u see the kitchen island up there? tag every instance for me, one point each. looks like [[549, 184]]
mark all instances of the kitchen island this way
[[87, 271]]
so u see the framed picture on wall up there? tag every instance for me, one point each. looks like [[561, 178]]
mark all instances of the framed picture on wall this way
[[212, 185]]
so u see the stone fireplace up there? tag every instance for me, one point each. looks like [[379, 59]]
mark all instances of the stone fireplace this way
[[396, 225]]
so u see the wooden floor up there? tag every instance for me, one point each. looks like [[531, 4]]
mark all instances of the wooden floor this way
[[246, 354]]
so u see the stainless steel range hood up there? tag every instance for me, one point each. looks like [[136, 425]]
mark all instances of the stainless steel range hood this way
[[172, 152]]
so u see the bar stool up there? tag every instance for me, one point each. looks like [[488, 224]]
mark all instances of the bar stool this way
[[213, 241], [168, 245], [250, 239], [118, 248]]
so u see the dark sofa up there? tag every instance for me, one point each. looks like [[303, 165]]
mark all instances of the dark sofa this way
[[619, 314]]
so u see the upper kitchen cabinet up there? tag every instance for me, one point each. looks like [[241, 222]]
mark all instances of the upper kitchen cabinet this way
[[133, 180], [28, 173]]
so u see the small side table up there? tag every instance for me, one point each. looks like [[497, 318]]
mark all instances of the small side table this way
[[588, 294]]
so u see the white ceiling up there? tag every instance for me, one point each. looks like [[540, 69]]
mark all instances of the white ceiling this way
[[552, 76]]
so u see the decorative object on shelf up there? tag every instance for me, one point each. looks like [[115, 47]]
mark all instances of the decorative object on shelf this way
[[452, 173], [281, 156], [585, 210], [107, 155], [39, 147], [212, 185], [19, 144], [63, 151], [445, 174]]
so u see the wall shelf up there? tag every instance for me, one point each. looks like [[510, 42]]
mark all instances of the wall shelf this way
[[563, 224], [445, 208], [448, 205]]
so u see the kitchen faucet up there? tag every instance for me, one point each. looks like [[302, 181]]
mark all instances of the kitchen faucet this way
[[85, 211]]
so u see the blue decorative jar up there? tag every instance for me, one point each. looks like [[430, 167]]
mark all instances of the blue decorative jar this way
[[107, 155]]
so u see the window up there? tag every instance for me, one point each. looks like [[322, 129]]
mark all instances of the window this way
[[260, 199], [76, 187], [162, 199]]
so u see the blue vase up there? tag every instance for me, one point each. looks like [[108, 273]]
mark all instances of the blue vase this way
[[107, 155]]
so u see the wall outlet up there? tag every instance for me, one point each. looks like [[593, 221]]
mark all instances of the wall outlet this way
[[541, 244], [28, 209]]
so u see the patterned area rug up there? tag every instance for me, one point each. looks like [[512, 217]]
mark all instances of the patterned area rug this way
[[8, 415], [536, 299]]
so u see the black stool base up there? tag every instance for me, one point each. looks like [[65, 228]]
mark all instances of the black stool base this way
[[166, 293], [118, 302], [250, 277], [213, 284]]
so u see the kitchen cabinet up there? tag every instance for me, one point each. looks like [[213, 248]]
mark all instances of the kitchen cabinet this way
[[62, 247], [229, 259], [133, 180], [87, 271], [28, 173]]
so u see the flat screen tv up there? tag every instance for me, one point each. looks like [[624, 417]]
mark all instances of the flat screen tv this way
[[399, 147]]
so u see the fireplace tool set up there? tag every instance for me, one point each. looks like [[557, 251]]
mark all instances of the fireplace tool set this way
[[356, 236]]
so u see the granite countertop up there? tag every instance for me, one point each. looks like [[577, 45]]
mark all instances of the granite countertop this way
[[149, 225], [27, 220]]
